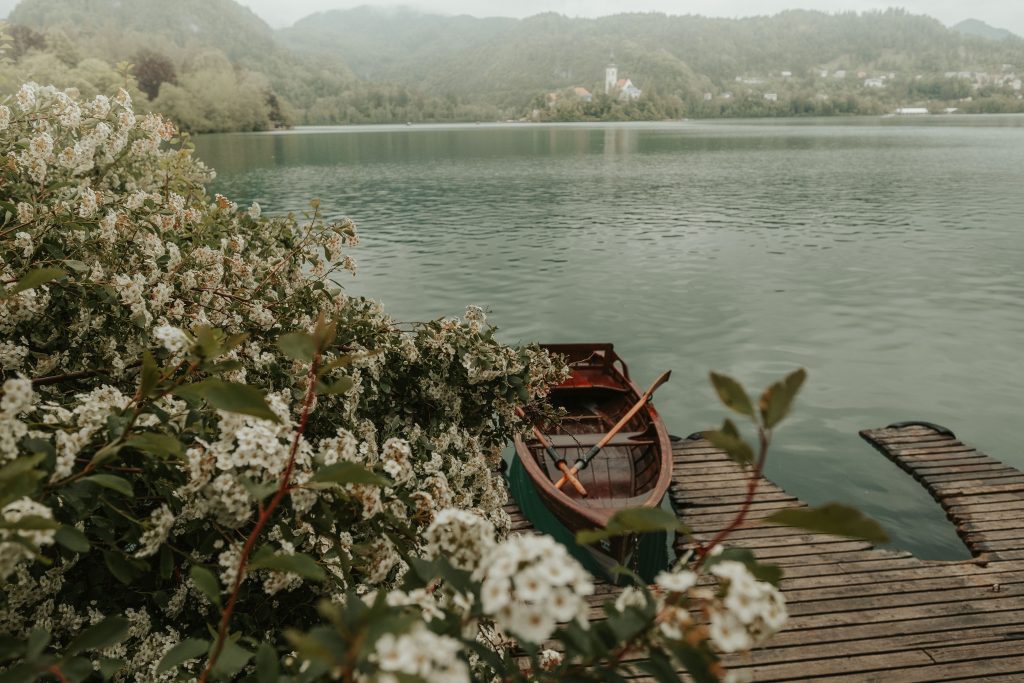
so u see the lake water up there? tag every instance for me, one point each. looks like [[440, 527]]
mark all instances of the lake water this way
[[884, 255]]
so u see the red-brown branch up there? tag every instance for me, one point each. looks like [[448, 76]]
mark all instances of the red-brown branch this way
[[55, 670], [261, 522], [741, 516]]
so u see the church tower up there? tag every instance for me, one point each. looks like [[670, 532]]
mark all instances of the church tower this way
[[611, 75]]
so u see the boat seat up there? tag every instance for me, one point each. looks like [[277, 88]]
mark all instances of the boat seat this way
[[589, 440]]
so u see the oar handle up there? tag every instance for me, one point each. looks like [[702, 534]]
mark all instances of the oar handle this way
[[567, 474]]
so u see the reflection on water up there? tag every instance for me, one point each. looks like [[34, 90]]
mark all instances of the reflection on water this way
[[884, 255]]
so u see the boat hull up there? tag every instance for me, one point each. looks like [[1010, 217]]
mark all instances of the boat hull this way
[[633, 470]]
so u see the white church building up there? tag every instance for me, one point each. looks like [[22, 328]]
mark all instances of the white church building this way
[[623, 86]]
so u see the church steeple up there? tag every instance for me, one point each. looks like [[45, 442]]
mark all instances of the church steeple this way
[[611, 74]]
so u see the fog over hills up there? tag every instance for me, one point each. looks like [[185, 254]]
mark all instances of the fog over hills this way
[[216, 65]]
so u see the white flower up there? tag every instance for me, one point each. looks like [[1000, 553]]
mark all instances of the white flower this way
[[160, 523], [26, 97], [678, 581], [5, 117], [18, 397], [550, 659], [255, 211], [423, 654], [524, 594], [460, 536], [631, 596], [173, 339], [729, 633], [495, 593], [532, 623]]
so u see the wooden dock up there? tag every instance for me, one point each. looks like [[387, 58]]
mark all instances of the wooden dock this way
[[859, 613]]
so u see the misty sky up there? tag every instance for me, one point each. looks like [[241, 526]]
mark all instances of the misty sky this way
[[1002, 13]]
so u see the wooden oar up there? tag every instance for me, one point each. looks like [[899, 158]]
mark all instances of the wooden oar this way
[[585, 460], [559, 460]]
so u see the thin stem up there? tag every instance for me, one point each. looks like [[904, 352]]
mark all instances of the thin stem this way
[[764, 439], [261, 522]]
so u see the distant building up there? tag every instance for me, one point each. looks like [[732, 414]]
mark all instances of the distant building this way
[[912, 111], [707, 97], [787, 74], [839, 73], [611, 77], [822, 73], [583, 93], [1016, 84], [627, 91], [771, 96], [874, 82], [862, 74]]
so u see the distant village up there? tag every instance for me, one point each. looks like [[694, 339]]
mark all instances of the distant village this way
[[825, 81], [819, 84], [621, 88]]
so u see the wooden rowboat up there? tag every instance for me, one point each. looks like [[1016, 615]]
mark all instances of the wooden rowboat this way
[[633, 470]]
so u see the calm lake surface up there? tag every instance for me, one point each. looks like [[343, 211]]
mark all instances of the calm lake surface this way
[[884, 255]]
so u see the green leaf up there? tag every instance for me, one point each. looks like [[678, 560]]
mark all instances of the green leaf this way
[[110, 631], [349, 473], [206, 582], [26, 672], [76, 669], [110, 666], [38, 639], [257, 490], [833, 518], [778, 398], [230, 396], [732, 394], [267, 666], [32, 279], [303, 565], [190, 648], [109, 481], [633, 521], [163, 445], [341, 386], [20, 465], [119, 566], [149, 375], [297, 345], [232, 659], [72, 539], [208, 340], [729, 440], [77, 266]]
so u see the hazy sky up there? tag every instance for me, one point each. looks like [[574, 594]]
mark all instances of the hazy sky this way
[[1003, 13]]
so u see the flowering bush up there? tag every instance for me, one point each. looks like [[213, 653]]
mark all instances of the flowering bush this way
[[216, 464]]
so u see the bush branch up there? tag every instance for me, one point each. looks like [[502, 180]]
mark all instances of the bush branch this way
[[261, 522]]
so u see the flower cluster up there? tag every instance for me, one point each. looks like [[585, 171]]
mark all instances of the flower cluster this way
[[167, 408], [750, 612], [421, 653], [459, 536], [531, 583]]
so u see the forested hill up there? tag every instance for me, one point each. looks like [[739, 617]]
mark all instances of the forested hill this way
[[117, 29], [214, 65], [549, 51]]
